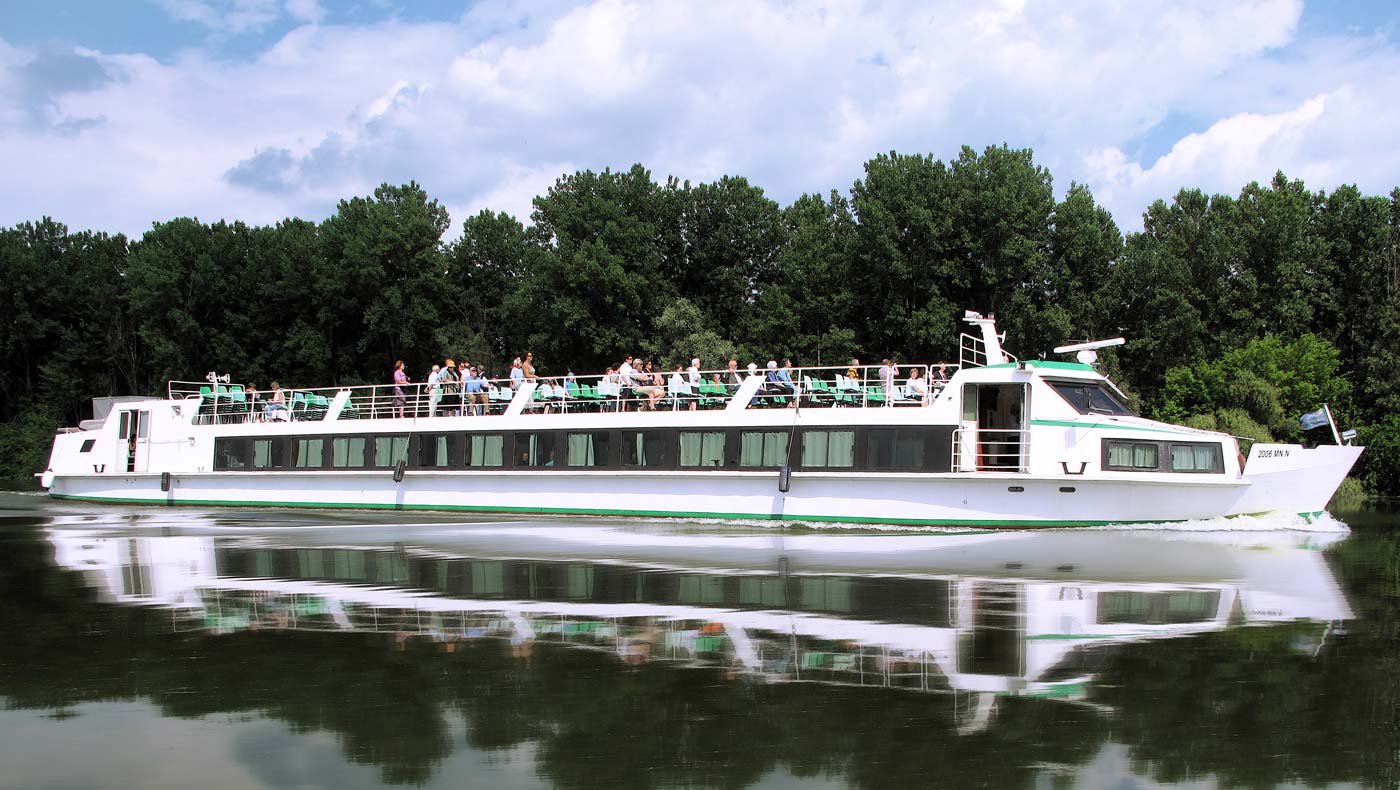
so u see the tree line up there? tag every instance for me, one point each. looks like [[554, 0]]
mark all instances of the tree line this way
[[1241, 311]]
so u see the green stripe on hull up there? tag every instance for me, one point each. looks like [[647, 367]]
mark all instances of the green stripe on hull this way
[[572, 511], [1107, 426]]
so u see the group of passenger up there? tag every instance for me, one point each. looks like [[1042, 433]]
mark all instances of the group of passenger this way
[[463, 390]]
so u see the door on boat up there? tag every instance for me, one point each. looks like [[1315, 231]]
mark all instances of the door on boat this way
[[134, 440], [991, 433], [991, 640]]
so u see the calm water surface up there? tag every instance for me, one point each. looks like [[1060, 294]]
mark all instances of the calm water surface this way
[[259, 648]]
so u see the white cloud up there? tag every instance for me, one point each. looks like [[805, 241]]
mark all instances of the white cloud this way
[[306, 10], [230, 16], [1232, 152], [486, 111]]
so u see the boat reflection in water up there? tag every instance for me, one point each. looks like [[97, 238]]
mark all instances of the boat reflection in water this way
[[985, 616]]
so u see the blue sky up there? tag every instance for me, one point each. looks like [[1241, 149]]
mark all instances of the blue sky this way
[[117, 115]]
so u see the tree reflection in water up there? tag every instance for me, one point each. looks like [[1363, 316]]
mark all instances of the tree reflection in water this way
[[1187, 708]]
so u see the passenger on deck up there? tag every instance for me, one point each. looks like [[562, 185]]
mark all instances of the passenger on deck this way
[[451, 394], [940, 376], [474, 397], [626, 380], [853, 372], [612, 379], [400, 381], [693, 376], [434, 390], [652, 385], [517, 373], [918, 386], [734, 377], [678, 383], [276, 402], [571, 384], [528, 368], [887, 372], [785, 378]]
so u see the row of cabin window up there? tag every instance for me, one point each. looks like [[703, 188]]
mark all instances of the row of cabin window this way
[[1132, 456], [885, 449]]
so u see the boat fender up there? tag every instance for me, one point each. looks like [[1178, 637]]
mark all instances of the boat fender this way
[[46, 479], [164, 481], [785, 478], [399, 471]]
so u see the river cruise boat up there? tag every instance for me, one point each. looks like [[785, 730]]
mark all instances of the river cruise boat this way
[[989, 442]]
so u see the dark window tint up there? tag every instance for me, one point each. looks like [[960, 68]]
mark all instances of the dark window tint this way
[[587, 449], [895, 448], [644, 448], [1090, 397], [534, 450], [434, 450], [230, 454]]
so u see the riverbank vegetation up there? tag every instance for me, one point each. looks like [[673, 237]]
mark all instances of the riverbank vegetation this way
[[1240, 311]]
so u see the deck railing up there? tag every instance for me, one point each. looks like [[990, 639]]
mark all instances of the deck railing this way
[[805, 387], [991, 450]]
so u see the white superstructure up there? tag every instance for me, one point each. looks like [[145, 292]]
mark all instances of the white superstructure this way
[[999, 443]]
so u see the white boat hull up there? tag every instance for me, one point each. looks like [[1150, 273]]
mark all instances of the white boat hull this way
[[954, 500]]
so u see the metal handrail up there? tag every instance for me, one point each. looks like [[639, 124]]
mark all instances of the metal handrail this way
[[810, 387], [996, 450]]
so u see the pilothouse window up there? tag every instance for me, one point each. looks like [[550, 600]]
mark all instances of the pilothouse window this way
[[1091, 397]]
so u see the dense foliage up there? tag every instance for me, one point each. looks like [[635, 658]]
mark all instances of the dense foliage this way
[[1240, 312]]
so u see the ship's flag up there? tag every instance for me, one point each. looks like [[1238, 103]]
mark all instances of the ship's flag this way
[[1314, 419]]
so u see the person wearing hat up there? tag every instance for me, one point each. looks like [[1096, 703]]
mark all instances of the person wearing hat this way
[[449, 381], [474, 394]]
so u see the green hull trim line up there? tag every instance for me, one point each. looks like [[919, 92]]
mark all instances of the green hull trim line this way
[[1089, 426], [571, 511]]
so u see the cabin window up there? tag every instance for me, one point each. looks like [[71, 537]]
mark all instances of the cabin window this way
[[828, 449], [124, 425], [348, 452], [263, 456], [763, 448], [1090, 397], [644, 448], [434, 450], [702, 448], [1139, 456], [488, 577], [534, 450], [230, 454], [389, 450], [588, 449], [310, 453], [487, 449], [87, 445], [1196, 458], [1161, 608], [894, 448]]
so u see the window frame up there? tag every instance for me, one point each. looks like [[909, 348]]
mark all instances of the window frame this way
[[1163, 449]]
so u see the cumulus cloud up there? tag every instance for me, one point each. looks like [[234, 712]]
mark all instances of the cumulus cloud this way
[[487, 110], [230, 16]]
